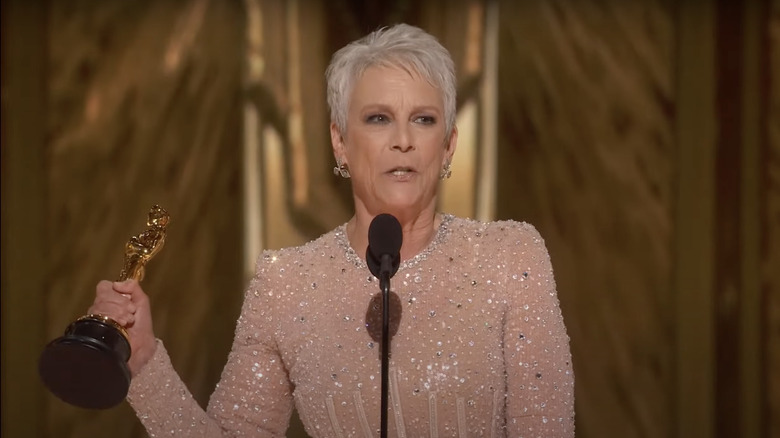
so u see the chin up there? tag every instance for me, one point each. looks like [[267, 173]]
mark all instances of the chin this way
[[398, 207], [397, 202]]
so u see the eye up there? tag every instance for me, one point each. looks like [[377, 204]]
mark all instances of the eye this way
[[377, 118], [425, 120]]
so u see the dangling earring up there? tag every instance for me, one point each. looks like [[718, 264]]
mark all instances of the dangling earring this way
[[446, 171], [341, 169]]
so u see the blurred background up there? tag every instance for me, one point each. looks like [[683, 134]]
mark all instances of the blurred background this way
[[641, 138]]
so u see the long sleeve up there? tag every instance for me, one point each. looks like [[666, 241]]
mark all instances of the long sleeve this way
[[253, 397], [481, 348], [540, 380]]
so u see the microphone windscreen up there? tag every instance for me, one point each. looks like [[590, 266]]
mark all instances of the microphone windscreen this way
[[385, 236]]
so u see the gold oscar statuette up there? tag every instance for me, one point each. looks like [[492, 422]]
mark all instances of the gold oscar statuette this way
[[87, 366]]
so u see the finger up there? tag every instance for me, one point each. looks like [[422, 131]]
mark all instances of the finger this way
[[113, 300], [118, 299], [125, 320], [114, 311], [126, 287], [104, 287]]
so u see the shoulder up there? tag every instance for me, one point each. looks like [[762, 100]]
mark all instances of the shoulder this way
[[280, 272], [502, 233], [299, 258], [507, 245]]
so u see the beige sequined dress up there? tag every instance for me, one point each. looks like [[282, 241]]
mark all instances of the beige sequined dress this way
[[481, 348]]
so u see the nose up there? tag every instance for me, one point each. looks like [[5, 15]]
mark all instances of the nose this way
[[402, 140]]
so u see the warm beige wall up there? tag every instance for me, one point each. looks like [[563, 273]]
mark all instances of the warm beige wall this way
[[588, 155], [770, 263], [141, 106], [23, 240], [608, 127], [641, 141]]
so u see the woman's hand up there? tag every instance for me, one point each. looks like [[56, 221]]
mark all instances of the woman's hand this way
[[127, 304]]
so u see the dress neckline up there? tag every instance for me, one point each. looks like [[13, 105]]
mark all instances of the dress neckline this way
[[352, 256]]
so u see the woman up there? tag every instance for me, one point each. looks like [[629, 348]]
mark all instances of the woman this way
[[481, 349]]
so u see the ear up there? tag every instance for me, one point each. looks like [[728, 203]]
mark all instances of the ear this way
[[451, 145], [337, 141]]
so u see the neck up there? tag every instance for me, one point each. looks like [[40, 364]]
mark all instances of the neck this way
[[418, 233]]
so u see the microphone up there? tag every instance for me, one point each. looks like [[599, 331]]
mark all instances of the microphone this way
[[383, 258], [383, 255]]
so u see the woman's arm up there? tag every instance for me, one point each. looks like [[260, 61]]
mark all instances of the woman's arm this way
[[252, 398], [540, 378]]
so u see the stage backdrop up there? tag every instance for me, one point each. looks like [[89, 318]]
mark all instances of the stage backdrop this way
[[641, 138]]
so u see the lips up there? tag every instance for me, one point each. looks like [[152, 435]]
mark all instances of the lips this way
[[401, 171]]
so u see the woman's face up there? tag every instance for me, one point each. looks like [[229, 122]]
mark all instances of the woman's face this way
[[395, 143]]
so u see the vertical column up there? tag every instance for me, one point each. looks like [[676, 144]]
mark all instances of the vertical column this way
[[771, 295], [24, 48], [694, 218], [753, 109], [727, 238], [486, 182], [254, 68], [770, 215]]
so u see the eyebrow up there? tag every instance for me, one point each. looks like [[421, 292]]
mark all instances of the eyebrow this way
[[384, 107]]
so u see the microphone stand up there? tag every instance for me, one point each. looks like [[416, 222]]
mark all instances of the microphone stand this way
[[384, 284], [383, 256]]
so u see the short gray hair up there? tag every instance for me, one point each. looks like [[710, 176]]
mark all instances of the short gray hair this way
[[402, 45]]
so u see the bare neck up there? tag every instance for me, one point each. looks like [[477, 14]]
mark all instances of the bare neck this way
[[418, 233]]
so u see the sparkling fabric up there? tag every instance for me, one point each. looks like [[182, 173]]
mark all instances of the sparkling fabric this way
[[481, 348]]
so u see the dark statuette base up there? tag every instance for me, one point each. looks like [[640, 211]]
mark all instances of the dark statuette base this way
[[87, 366]]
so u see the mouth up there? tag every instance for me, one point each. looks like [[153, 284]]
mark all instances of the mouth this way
[[401, 171]]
